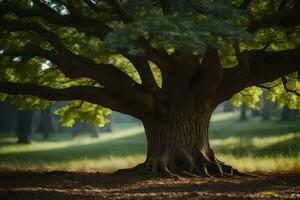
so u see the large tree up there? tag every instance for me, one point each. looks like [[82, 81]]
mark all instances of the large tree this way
[[167, 63]]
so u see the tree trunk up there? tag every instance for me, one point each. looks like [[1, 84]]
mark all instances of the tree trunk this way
[[46, 124], [243, 115], [178, 144], [24, 126]]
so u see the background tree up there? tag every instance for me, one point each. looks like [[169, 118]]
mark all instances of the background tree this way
[[81, 127], [266, 109], [8, 116], [167, 63], [243, 113], [24, 127], [287, 114], [45, 125]]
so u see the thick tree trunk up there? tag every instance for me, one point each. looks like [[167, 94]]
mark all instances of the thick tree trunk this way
[[46, 125], [178, 144], [24, 126]]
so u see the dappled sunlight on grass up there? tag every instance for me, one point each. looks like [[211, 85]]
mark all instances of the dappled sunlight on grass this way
[[228, 142], [223, 116], [107, 163], [248, 146], [257, 144], [268, 141], [54, 143], [265, 163]]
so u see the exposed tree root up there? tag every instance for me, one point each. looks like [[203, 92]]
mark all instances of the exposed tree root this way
[[181, 164]]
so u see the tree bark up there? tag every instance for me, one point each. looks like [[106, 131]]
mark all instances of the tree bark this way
[[178, 144], [46, 124], [24, 126]]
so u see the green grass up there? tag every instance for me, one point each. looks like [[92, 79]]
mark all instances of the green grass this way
[[248, 146]]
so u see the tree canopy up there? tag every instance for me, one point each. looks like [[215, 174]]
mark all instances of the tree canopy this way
[[133, 56]]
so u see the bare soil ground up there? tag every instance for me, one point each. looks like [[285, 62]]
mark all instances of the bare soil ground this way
[[69, 185]]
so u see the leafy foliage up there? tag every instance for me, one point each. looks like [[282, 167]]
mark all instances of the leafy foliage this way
[[87, 112], [187, 26]]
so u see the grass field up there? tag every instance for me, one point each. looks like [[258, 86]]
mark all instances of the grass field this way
[[248, 146]]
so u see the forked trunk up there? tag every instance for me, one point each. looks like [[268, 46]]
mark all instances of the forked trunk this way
[[178, 144]]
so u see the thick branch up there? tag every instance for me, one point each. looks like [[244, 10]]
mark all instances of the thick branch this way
[[144, 70], [71, 64], [159, 58], [94, 95], [212, 71], [117, 82], [285, 18], [84, 24], [264, 66]]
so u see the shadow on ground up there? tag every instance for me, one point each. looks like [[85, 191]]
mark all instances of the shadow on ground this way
[[62, 185]]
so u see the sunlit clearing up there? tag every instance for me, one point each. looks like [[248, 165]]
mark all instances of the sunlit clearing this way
[[72, 142], [223, 116], [266, 163]]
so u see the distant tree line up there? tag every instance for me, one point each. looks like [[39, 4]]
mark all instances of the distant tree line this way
[[25, 122], [266, 111]]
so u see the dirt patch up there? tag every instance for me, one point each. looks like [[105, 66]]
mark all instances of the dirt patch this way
[[66, 185]]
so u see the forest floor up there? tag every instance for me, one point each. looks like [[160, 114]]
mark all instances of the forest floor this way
[[27, 185]]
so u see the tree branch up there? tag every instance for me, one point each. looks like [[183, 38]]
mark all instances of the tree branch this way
[[159, 58], [74, 66], [212, 72], [144, 70], [84, 24], [285, 18], [71, 64], [264, 66], [90, 94]]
